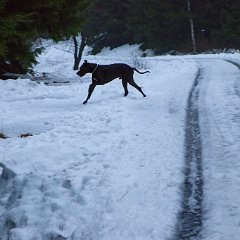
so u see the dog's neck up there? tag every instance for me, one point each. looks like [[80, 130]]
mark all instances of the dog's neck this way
[[94, 68]]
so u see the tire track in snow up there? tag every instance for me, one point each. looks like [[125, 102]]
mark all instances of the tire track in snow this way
[[190, 217], [234, 63], [237, 89]]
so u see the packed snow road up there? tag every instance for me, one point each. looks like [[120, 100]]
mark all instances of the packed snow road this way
[[220, 130], [114, 169], [210, 206]]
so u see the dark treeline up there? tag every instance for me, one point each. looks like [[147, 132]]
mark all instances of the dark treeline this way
[[161, 25], [164, 25]]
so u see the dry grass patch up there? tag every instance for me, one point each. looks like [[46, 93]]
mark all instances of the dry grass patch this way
[[25, 135], [2, 136]]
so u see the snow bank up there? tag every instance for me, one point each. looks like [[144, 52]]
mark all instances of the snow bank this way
[[124, 51]]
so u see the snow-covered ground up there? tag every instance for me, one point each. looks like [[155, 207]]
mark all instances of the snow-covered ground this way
[[220, 108], [114, 168]]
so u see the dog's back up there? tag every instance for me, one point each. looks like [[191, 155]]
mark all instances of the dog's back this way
[[112, 71]]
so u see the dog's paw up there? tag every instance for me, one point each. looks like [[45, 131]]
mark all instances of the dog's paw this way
[[84, 102], [144, 95]]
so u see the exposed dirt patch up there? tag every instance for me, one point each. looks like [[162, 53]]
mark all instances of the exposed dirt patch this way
[[25, 135]]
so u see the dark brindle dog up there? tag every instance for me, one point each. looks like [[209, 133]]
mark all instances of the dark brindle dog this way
[[102, 74]]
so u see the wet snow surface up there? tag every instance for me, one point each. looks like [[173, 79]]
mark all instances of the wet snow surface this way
[[114, 168]]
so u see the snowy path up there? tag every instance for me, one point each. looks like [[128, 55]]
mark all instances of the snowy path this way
[[220, 129], [211, 210], [110, 170]]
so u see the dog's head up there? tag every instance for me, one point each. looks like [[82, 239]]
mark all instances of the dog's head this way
[[85, 68]]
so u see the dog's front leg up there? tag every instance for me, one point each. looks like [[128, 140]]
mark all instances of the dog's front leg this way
[[90, 90]]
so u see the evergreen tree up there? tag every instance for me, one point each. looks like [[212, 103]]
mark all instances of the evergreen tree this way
[[14, 48], [25, 21], [230, 19], [165, 25], [160, 25], [217, 23], [106, 24]]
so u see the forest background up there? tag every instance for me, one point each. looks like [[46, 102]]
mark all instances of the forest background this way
[[166, 27]]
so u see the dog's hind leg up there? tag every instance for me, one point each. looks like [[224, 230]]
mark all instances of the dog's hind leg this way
[[131, 82], [90, 90], [124, 83]]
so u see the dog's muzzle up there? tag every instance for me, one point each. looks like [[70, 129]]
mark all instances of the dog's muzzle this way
[[80, 74]]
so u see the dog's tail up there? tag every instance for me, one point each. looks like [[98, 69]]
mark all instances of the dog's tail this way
[[140, 72]]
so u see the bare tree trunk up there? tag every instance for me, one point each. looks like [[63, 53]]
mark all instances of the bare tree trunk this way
[[78, 50], [191, 26]]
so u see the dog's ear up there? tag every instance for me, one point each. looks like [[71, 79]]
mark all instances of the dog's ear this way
[[85, 61]]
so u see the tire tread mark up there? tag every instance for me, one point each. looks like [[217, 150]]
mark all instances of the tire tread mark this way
[[190, 217]]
